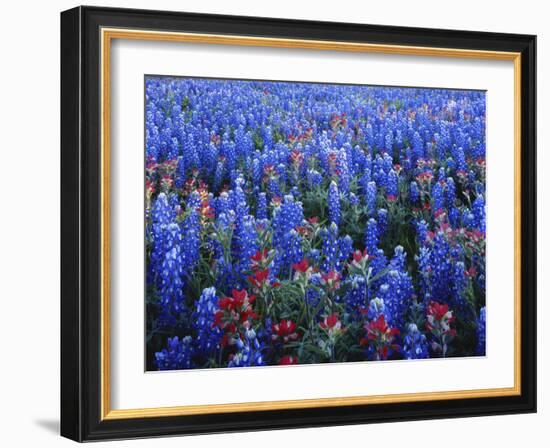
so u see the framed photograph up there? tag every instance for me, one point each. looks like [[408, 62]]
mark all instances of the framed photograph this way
[[274, 224]]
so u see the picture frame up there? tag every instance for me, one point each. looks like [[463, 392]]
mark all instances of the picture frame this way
[[87, 34]]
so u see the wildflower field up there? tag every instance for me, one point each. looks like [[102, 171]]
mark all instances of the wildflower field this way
[[298, 223]]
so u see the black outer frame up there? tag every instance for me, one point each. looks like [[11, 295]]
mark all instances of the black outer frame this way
[[80, 223]]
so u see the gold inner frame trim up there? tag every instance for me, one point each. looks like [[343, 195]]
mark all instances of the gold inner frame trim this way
[[107, 35]]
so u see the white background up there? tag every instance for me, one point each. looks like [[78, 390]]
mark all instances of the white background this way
[[133, 388], [29, 228]]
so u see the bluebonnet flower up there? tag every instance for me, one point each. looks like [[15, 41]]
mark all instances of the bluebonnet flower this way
[[344, 174], [314, 177], [285, 218], [177, 355], [450, 192], [353, 199], [417, 146], [454, 217], [414, 194], [180, 173], [190, 241], [365, 178], [480, 332], [331, 250], [162, 214], [439, 269], [478, 209], [378, 264], [437, 197], [370, 197], [289, 252], [333, 201], [261, 207], [388, 141], [371, 236], [396, 293], [399, 259], [415, 343], [313, 293], [376, 308], [356, 295], [468, 219], [209, 336], [249, 351], [256, 171], [387, 162], [244, 243], [460, 160], [459, 284], [219, 175], [172, 271], [422, 231], [314, 255], [392, 186], [382, 217], [345, 247], [381, 177]]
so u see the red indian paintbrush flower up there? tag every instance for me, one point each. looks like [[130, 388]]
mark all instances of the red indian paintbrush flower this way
[[260, 278], [285, 331], [288, 360], [259, 256], [235, 309], [296, 157], [331, 279], [302, 266], [331, 322], [379, 328], [380, 336], [439, 318], [359, 259], [438, 322]]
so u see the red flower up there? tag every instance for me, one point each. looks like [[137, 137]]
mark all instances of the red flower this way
[[259, 256], [149, 187], [235, 309], [151, 165], [270, 172], [379, 328], [206, 211], [438, 321], [331, 279], [437, 310], [360, 257], [313, 220], [331, 322], [439, 212], [285, 330], [426, 176], [297, 157], [302, 230], [288, 360], [380, 336], [259, 278], [167, 181], [218, 318], [302, 266]]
